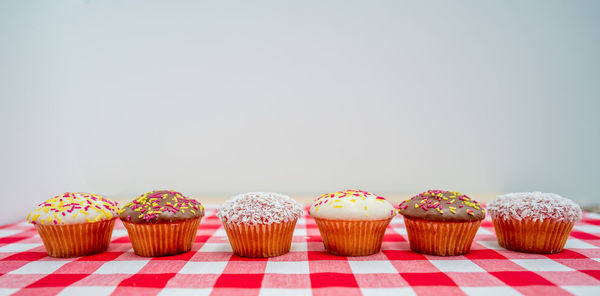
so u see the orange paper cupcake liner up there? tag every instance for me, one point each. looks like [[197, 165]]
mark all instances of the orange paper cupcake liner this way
[[162, 239], [74, 240], [352, 237], [544, 237], [440, 238], [261, 240]]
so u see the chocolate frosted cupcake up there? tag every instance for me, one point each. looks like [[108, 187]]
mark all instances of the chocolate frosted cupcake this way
[[441, 223], [162, 223], [533, 222], [75, 224]]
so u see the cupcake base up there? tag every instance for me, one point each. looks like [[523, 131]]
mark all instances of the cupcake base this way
[[440, 238], [162, 239], [352, 237], [543, 237], [74, 240], [261, 240]]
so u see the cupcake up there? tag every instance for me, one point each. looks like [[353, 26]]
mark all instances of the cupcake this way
[[441, 223], [75, 224], [260, 224], [161, 223], [352, 222], [533, 222]]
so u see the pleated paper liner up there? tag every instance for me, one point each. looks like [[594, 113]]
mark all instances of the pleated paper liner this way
[[162, 239], [260, 240], [544, 237], [352, 237], [74, 240], [440, 238]]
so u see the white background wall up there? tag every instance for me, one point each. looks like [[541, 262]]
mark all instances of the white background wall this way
[[221, 97]]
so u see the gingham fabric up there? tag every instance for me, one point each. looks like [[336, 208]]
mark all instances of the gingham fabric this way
[[211, 269]]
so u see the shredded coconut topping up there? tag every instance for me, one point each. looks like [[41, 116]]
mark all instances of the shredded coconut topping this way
[[260, 208], [534, 205]]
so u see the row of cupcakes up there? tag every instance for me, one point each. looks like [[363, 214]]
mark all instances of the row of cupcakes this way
[[258, 224]]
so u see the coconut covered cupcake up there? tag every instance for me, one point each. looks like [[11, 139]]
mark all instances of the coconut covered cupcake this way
[[442, 223], [352, 222], [162, 223], [533, 222], [75, 224], [260, 224]]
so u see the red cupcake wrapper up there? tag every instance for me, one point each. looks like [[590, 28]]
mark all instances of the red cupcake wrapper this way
[[162, 239], [352, 237], [543, 237], [74, 240], [261, 240], [440, 238]]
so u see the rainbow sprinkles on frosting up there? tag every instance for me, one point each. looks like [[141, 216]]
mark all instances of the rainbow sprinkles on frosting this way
[[74, 207]]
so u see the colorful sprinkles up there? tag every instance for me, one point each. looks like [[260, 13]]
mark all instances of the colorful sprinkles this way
[[74, 207], [435, 199], [352, 195], [148, 205]]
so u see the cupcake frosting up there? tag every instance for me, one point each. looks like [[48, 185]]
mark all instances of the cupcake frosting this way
[[260, 208], [351, 205], [74, 208], [161, 206], [440, 205], [534, 206]]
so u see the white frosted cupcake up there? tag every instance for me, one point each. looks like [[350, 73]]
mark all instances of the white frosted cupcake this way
[[352, 222], [75, 224], [260, 224], [533, 222]]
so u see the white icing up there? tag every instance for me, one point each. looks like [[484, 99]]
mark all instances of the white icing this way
[[260, 208], [351, 205], [74, 208], [534, 205]]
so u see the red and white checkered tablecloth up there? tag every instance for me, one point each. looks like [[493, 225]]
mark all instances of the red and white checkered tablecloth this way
[[211, 269]]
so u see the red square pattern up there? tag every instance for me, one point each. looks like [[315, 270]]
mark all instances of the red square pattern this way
[[26, 256], [428, 279], [239, 280], [315, 255], [57, 280], [332, 279], [147, 280]]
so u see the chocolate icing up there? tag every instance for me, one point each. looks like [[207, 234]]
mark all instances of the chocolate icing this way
[[161, 206], [438, 205]]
